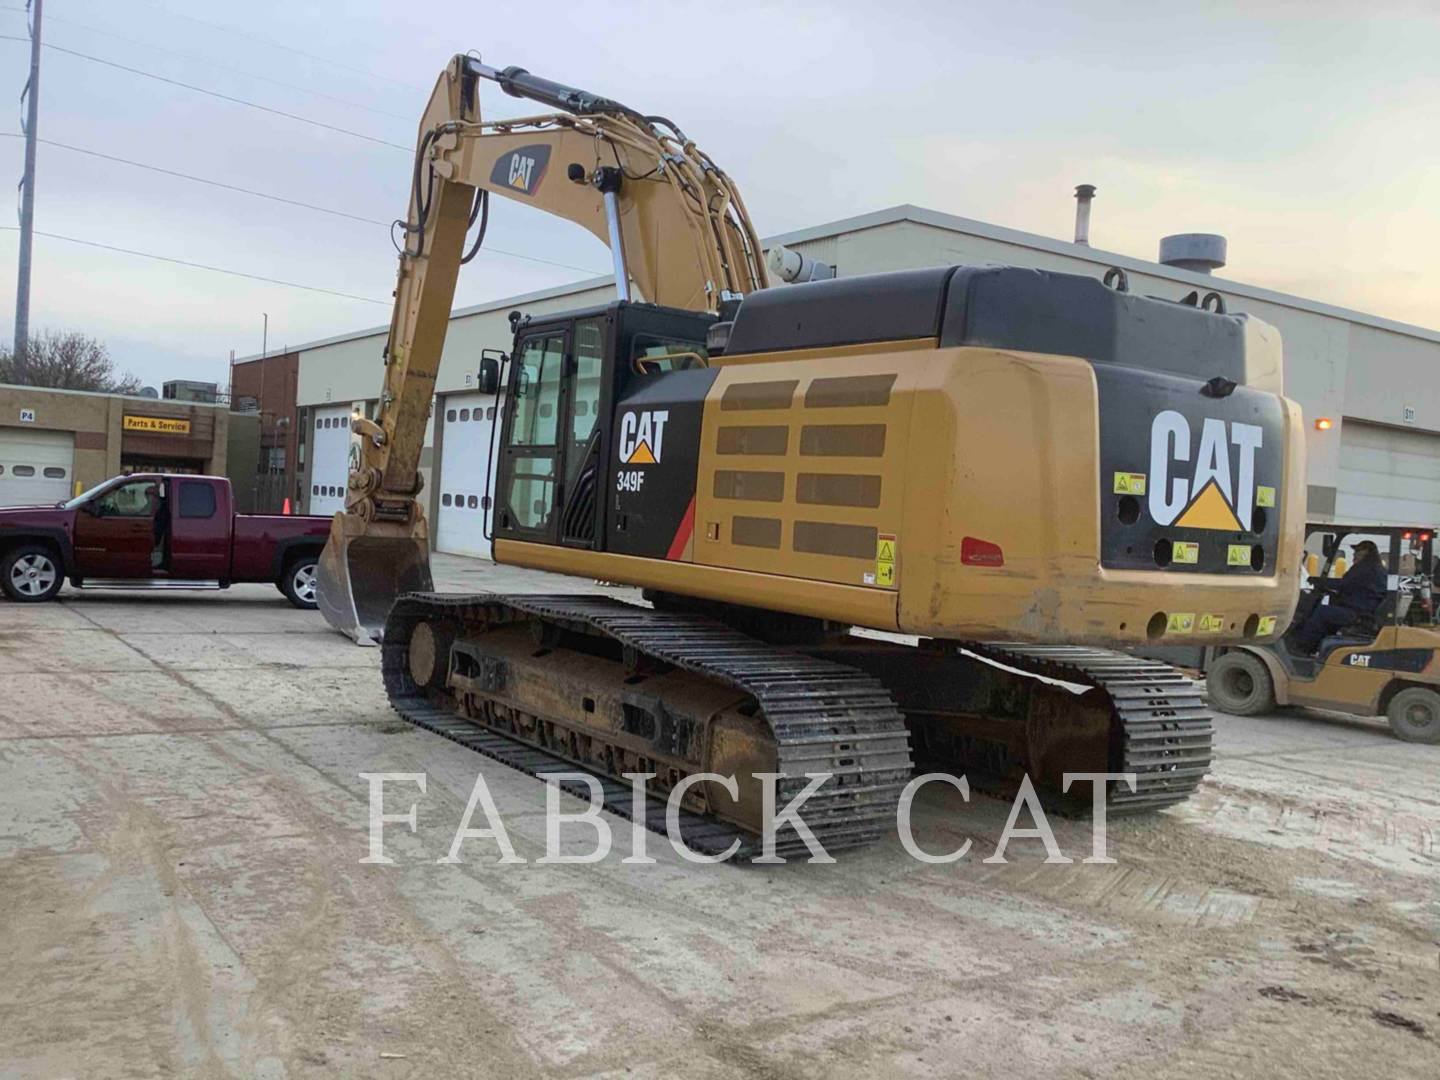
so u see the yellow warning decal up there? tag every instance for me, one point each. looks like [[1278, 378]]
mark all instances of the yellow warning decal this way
[[886, 548], [1266, 626], [1211, 624], [1186, 552], [1129, 483], [1238, 555], [1180, 623], [1264, 496]]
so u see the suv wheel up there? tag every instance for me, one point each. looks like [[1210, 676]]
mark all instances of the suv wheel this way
[[298, 583], [30, 574]]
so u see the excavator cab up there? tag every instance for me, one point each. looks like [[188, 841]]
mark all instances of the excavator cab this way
[[560, 452]]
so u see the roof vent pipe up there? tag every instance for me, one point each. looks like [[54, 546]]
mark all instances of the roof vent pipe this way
[[1084, 195]]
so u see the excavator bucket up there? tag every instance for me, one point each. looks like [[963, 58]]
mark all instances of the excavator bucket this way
[[364, 568]]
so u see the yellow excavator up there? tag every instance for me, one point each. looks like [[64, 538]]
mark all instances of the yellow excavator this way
[[1008, 473]]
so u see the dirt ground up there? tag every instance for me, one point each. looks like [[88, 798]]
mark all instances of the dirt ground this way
[[182, 821]]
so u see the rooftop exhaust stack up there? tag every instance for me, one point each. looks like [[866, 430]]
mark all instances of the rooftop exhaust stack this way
[[1198, 252], [1084, 195]]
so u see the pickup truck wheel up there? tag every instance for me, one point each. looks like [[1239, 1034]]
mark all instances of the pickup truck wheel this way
[[30, 574], [298, 581]]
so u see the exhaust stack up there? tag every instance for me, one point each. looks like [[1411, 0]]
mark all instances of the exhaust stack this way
[[1084, 195]]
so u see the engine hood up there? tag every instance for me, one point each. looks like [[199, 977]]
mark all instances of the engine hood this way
[[20, 516]]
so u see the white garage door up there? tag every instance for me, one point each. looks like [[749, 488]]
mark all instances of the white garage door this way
[[36, 467], [464, 464], [1388, 476], [329, 459]]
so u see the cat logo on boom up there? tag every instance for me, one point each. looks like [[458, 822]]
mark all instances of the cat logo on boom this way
[[642, 437], [521, 170], [1214, 495]]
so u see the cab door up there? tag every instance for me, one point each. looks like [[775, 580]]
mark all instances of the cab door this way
[[530, 458], [115, 531], [587, 398]]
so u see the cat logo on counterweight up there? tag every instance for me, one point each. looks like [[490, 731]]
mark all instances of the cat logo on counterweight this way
[[1219, 492]]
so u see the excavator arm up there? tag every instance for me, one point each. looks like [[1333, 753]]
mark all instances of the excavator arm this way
[[678, 234]]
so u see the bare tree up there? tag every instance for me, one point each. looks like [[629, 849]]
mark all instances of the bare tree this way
[[68, 361]]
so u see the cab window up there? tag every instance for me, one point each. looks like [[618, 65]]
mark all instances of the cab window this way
[[197, 500], [651, 355], [138, 498], [537, 392], [589, 357]]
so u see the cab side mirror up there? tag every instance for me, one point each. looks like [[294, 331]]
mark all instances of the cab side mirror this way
[[1329, 545], [489, 375]]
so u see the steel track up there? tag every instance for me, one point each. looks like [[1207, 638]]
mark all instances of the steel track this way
[[1165, 730], [824, 717]]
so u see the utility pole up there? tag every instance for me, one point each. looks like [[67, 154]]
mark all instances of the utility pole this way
[[31, 97]]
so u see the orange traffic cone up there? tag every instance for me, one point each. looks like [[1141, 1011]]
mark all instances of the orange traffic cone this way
[[286, 508]]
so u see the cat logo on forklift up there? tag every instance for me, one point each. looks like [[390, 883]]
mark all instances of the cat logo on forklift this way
[[1215, 495]]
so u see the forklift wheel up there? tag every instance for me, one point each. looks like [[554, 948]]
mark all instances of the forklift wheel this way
[[1414, 715], [1239, 683]]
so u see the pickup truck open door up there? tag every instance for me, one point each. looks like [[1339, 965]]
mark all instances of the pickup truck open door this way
[[115, 531]]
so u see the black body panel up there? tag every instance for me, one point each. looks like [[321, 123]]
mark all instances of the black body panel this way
[[996, 307], [905, 304], [1159, 427], [1072, 315], [659, 418], [1412, 661]]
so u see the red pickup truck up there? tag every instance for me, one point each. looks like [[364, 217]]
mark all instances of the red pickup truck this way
[[155, 530]]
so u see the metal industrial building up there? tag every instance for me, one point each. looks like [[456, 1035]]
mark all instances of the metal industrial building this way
[[1374, 378]]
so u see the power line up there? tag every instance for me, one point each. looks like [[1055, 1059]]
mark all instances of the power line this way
[[282, 199], [205, 180], [201, 266], [216, 64], [273, 44], [215, 94]]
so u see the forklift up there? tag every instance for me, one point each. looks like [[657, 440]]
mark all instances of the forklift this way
[[1387, 663]]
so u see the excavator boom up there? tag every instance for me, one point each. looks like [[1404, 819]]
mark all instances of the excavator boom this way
[[678, 234]]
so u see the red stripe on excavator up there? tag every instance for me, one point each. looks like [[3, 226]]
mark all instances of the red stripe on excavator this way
[[682, 534]]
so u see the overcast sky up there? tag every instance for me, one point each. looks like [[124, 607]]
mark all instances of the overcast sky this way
[[1304, 131]]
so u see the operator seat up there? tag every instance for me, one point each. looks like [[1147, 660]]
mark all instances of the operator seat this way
[[1362, 631]]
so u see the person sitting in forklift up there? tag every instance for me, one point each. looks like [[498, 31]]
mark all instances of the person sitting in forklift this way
[[1355, 598]]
